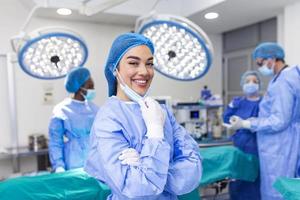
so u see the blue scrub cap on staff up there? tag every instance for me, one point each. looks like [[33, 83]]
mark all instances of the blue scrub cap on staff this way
[[75, 78], [249, 73], [268, 50]]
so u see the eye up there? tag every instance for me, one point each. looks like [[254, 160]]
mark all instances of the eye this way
[[133, 63], [150, 64], [260, 64]]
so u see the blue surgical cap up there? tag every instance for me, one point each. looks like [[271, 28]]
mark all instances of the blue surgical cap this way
[[250, 73], [120, 46], [268, 50], [75, 78]]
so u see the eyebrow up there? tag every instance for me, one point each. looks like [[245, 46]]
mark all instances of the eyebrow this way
[[137, 58]]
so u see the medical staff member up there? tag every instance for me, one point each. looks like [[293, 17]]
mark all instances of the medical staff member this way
[[245, 106], [72, 119], [278, 122], [138, 149]]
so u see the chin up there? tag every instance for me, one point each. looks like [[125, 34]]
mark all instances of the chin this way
[[141, 93], [141, 90]]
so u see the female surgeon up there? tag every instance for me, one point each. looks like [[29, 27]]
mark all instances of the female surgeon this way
[[72, 119], [245, 107], [138, 149]]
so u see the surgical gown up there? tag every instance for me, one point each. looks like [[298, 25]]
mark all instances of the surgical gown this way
[[278, 130], [69, 132], [168, 167], [245, 140]]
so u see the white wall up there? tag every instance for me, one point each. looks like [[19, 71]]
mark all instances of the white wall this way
[[291, 33], [33, 115]]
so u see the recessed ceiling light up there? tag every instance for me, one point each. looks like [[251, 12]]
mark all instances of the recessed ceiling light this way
[[211, 15], [64, 11]]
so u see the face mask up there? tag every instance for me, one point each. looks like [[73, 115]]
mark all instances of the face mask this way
[[266, 71], [250, 88], [130, 93], [90, 94]]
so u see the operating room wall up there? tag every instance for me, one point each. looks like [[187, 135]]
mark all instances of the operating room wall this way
[[12, 15], [291, 33], [33, 114]]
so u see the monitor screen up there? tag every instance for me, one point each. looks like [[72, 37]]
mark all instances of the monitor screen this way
[[194, 114]]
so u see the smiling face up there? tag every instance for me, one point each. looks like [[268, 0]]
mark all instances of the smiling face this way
[[136, 70]]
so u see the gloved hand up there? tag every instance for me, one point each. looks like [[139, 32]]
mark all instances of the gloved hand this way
[[130, 157], [229, 126], [154, 117], [59, 169], [237, 123]]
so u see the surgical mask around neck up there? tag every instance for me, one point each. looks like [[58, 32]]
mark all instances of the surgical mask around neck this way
[[90, 94], [250, 88], [266, 71], [130, 93]]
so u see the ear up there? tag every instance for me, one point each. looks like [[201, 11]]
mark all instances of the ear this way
[[82, 90]]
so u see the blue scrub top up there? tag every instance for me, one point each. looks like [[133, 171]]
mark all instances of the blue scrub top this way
[[71, 120], [244, 139], [278, 130], [168, 168]]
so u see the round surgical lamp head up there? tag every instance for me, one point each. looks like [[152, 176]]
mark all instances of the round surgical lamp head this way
[[182, 50], [51, 53]]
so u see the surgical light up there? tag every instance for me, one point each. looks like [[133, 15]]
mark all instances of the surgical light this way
[[182, 49], [51, 55]]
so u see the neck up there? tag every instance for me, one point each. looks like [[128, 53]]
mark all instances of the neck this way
[[278, 67], [253, 97], [121, 95], [78, 96]]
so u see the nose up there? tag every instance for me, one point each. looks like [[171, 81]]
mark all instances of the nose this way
[[142, 69]]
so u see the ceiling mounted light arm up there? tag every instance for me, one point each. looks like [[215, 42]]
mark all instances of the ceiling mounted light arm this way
[[15, 40], [89, 9], [183, 50], [151, 16]]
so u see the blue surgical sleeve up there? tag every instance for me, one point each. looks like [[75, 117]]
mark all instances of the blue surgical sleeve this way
[[185, 169], [108, 141], [280, 112], [230, 110], [56, 143]]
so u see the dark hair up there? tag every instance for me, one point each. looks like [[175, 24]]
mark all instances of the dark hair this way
[[280, 59]]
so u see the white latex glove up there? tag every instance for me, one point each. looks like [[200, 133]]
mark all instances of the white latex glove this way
[[154, 117], [237, 123], [59, 169], [130, 157], [229, 126]]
